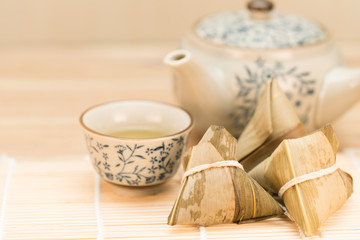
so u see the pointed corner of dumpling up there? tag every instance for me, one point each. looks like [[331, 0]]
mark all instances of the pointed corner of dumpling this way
[[222, 140], [329, 133], [260, 126]]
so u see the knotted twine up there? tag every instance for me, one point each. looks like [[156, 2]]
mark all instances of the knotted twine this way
[[306, 177], [203, 167]]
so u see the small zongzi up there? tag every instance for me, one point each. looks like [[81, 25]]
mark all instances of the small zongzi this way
[[215, 188], [304, 172], [274, 120]]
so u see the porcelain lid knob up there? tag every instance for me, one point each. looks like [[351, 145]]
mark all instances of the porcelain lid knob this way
[[260, 9]]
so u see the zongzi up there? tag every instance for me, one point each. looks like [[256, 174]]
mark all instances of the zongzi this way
[[216, 189], [304, 172], [274, 120]]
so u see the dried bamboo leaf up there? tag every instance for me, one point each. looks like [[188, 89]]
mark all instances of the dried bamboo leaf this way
[[221, 139], [311, 202], [186, 158], [203, 153], [328, 131], [259, 127], [274, 120], [254, 202], [238, 199], [196, 203]]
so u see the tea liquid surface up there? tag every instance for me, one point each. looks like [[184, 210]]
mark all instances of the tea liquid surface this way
[[138, 133]]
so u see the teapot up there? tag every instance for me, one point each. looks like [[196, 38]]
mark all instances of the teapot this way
[[226, 58]]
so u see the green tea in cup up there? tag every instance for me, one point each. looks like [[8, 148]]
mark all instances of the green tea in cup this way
[[138, 133], [136, 143]]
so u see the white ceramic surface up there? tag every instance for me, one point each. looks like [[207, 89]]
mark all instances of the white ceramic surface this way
[[136, 161]]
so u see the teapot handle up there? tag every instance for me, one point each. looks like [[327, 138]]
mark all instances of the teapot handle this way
[[340, 90]]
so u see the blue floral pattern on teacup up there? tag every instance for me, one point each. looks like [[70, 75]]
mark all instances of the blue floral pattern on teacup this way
[[136, 164]]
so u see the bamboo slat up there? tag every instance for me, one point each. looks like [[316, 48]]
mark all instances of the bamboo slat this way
[[64, 200]]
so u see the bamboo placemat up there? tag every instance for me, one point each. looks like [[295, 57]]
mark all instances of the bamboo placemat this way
[[64, 199]]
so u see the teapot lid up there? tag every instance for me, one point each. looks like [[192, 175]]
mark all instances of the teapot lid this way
[[259, 27]]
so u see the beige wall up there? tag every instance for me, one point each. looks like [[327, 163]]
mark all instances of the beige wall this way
[[109, 21]]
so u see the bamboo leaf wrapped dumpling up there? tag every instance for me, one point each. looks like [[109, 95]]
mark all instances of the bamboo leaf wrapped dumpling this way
[[274, 120], [304, 172], [215, 190]]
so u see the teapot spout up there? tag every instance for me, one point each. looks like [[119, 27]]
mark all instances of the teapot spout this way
[[177, 59], [200, 90], [188, 75], [340, 91]]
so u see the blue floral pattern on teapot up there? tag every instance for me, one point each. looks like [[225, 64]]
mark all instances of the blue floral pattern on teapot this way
[[279, 31]]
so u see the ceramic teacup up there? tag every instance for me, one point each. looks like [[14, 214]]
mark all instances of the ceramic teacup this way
[[135, 142]]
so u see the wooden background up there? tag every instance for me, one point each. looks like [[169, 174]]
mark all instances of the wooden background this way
[[59, 57], [43, 90], [114, 21]]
